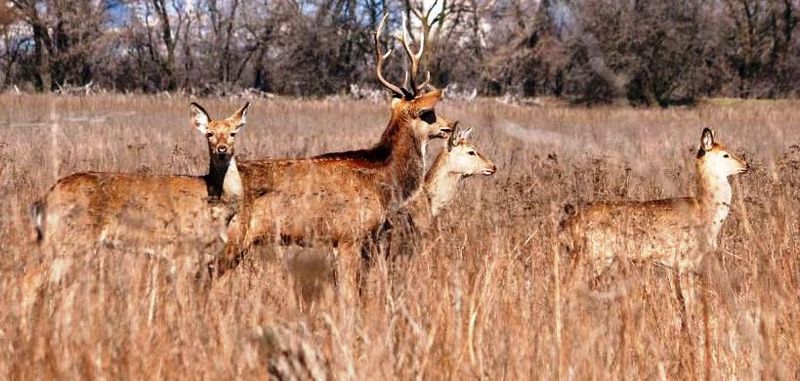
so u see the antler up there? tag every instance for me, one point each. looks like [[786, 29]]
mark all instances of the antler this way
[[380, 58], [414, 57]]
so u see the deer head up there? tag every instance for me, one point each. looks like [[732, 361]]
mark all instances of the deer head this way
[[409, 102], [460, 160], [714, 160], [220, 134], [464, 158]]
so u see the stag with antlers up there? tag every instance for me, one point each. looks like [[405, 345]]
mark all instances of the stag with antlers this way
[[339, 198]]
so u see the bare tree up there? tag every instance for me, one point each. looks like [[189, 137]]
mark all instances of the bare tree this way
[[11, 43], [651, 53], [41, 39], [64, 34], [761, 34], [168, 62]]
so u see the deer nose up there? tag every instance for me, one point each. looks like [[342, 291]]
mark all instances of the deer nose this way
[[490, 170], [222, 149]]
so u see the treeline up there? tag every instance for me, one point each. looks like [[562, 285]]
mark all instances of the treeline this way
[[593, 51]]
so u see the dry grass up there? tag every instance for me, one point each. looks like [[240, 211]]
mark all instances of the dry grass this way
[[486, 299]]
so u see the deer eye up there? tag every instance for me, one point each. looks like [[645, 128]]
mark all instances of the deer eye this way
[[233, 134], [209, 134], [471, 153], [428, 116], [726, 156]]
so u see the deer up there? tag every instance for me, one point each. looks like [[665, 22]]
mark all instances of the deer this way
[[674, 233], [457, 161], [339, 198], [89, 210], [114, 209]]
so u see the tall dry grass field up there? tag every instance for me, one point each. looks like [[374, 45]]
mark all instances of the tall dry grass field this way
[[488, 297]]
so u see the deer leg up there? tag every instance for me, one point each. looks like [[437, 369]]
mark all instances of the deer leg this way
[[575, 254], [348, 269], [676, 280], [235, 247], [684, 320], [230, 258]]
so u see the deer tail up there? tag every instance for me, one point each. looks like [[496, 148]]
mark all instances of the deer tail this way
[[37, 211]]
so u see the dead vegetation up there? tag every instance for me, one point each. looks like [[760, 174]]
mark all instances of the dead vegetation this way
[[486, 297]]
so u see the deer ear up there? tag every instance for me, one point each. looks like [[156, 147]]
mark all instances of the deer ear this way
[[199, 117], [452, 141], [707, 139], [239, 118], [465, 133]]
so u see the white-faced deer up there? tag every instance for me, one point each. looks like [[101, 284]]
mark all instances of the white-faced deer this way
[[458, 161], [129, 209], [672, 232], [339, 198]]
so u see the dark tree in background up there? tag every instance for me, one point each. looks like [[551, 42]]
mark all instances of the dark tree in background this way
[[586, 51], [60, 38], [759, 43]]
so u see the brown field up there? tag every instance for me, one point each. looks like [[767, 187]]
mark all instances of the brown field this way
[[487, 299]]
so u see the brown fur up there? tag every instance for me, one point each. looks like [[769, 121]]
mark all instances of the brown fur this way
[[671, 232], [126, 209], [456, 162], [342, 198], [336, 198], [112, 208]]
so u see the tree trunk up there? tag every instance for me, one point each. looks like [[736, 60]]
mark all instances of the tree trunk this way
[[166, 34], [44, 80]]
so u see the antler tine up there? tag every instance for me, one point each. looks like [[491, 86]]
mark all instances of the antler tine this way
[[414, 57], [421, 86], [380, 58], [426, 83]]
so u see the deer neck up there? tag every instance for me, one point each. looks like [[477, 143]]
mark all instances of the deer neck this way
[[440, 184], [405, 167], [714, 195], [225, 182]]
